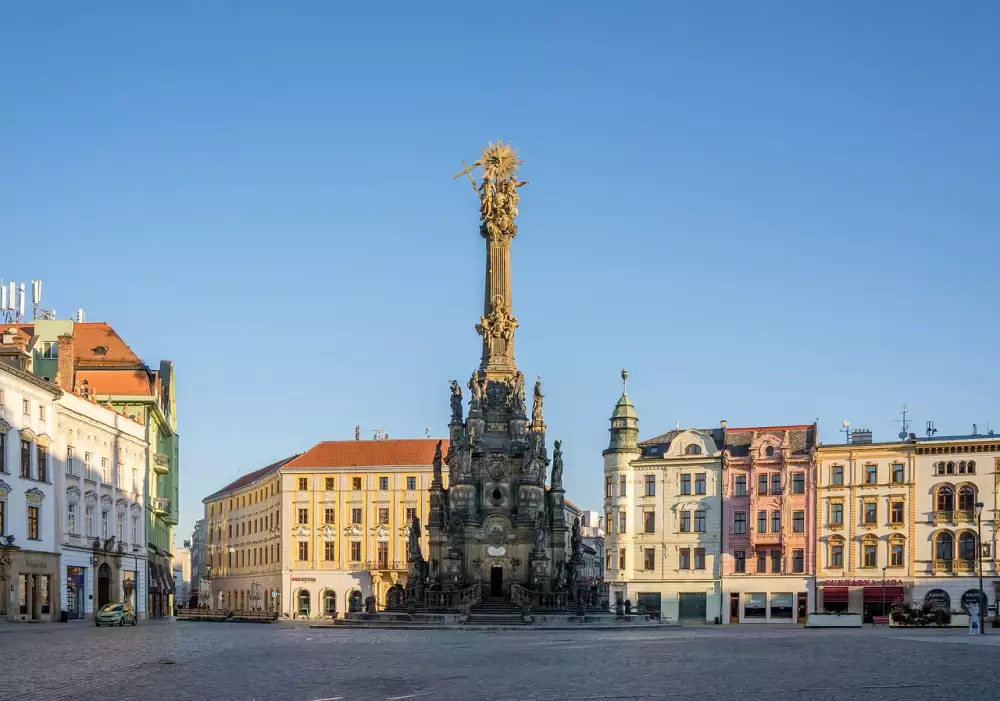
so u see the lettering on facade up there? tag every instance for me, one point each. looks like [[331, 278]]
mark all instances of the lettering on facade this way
[[303, 579], [35, 565], [496, 427], [861, 583]]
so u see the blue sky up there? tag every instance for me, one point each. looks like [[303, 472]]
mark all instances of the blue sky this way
[[769, 212]]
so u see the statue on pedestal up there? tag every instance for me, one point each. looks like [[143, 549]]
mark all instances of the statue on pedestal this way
[[557, 466], [540, 534], [437, 464], [414, 544], [456, 402], [536, 407]]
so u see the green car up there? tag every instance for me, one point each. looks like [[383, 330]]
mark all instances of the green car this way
[[115, 615]]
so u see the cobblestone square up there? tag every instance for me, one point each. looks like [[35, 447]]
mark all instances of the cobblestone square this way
[[173, 660]]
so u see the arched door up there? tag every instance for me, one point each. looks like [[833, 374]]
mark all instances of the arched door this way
[[303, 603], [354, 601], [330, 603], [103, 585]]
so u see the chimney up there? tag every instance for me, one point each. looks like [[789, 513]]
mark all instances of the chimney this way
[[861, 436], [14, 350], [65, 373], [723, 424]]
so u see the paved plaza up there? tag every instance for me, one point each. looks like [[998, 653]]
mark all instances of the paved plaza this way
[[173, 660]]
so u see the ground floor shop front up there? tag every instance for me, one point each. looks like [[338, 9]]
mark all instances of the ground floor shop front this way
[[30, 585], [955, 593], [90, 579], [684, 600], [869, 597], [756, 599]]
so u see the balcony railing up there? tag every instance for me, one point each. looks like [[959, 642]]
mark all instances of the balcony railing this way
[[943, 516], [387, 565], [964, 516], [161, 463], [945, 566], [160, 505]]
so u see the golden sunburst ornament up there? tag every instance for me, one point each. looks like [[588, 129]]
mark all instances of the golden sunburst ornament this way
[[499, 161]]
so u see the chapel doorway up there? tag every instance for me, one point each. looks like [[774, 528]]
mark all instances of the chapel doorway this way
[[496, 580], [103, 586]]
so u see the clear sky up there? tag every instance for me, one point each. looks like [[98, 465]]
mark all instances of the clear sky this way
[[770, 212]]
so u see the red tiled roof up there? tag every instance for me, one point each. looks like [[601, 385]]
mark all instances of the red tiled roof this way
[[370, 453], [800, 427], [250, 478], [124, 381], [88, 336]]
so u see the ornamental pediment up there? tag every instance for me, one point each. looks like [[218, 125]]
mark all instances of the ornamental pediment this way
[[4, 489], [353, 531], [73, 495], [106, 502], [328, 532], [90, 498], [35, 495], [4, 426], [301, 533], [381, 532]]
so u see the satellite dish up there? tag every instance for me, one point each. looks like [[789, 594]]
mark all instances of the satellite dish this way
[[902, 435]]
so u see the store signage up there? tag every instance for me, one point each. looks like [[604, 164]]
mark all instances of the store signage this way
[[303, 579], [861, 583], [35, 564]]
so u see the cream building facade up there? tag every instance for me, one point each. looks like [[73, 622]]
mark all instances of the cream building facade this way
[[867, 526], [663, 519], [316, 534], [954, 473]]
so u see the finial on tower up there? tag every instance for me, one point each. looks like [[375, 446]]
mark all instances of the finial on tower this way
[[624, 381]]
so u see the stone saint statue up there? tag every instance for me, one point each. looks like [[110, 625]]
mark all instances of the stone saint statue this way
[[557, 466], [536, 407], [575, 539], [477, 389], [437, 463], [540, 531], [455, 527], [414, 549], [517, 393], [456, 402]]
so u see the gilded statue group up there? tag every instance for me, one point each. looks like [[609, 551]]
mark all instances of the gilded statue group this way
[[498, 197]]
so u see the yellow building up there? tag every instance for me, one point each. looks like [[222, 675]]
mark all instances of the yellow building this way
[[307, 535], [866, 525]]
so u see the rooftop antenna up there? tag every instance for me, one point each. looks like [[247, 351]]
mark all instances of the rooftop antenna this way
[[12, 303], [380, 435], [427, 432], [930, 429], [846, 430], [905, 423]]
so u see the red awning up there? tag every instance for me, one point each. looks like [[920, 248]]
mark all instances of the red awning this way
[[834, 595], [878, 594]]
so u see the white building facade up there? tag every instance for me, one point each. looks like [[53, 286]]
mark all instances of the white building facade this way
[[953, 475], [29, 553], [102, 500]]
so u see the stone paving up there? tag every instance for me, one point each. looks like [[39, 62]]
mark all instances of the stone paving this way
[[218, 661]]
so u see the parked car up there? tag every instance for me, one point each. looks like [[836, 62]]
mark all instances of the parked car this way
[[115, 615]]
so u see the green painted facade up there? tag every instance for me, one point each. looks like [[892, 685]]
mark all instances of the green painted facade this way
[[47, 331]]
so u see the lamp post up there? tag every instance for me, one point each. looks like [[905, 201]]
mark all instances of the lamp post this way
[[979, 547], [135, 584], [883, 589]]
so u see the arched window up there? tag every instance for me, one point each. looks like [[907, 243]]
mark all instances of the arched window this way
[[971, 468], [692, 450], [945, 499], [966, 498], [769, 451], [896, 551], [302, 602], [950, 468], [967, 547], [330, 603], [944, 546]]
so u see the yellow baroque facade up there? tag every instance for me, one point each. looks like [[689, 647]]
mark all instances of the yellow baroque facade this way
[[317, 533]]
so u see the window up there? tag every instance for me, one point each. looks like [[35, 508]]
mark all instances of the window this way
[[692, 450], [383, 484], [649, 522], [621, 486], [775, 522], [699, 558], [42, 462], [356, 516], [896, 512], [869, 555], [967, 547], [50, 350], [25, 406], [740, 558], [3, 524], [741, 486], [71, 518], [25, 459], [135, 530], [699, 483], [621, 559], [383, 516], [755, 605], [699, 521], [33, 523], [607, 560], [837, 476], [740, 522], [608, 523], [410, 513], [303, 552], [798, 562], [798, 522], [944, 547], [355, 551], [650, 482], [328, 551], [120, 527], [356, 483], [871, 513], [769, 451], [382, 553], [966, 495], [104, 524], [41, 417], [761, 485], [608, 482], [871, 474], [971, 468], [836, 514], [775, 562], [761, 562], [685, 522], [649, 559], [897, 474], [775, 483], [89, 521], [896, 555], [104, 470], [949, 468], [303, 484], [684, 560], [762, 522], [798, 483], [945, 499], [685, 484], [3, 452], [329, 484], [836, 555], [411, 483], [329, 515]]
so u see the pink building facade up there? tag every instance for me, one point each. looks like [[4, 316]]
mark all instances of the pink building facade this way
[[769, 524]]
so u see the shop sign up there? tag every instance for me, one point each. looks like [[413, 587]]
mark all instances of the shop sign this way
[[35, 565], [938, 598], [861, 583], [303, 579], [970, 597]]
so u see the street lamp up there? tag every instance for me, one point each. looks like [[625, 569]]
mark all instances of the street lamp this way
[[979, 547], [135, 584], [883, 589]]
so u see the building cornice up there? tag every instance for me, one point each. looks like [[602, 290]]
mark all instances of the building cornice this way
[[32, 379]]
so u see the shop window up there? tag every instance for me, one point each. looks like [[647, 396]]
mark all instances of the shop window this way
[[782, 605], [755, 605]]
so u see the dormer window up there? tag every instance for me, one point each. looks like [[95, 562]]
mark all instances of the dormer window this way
[[769, 451], [101, 350], [692, 450]]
